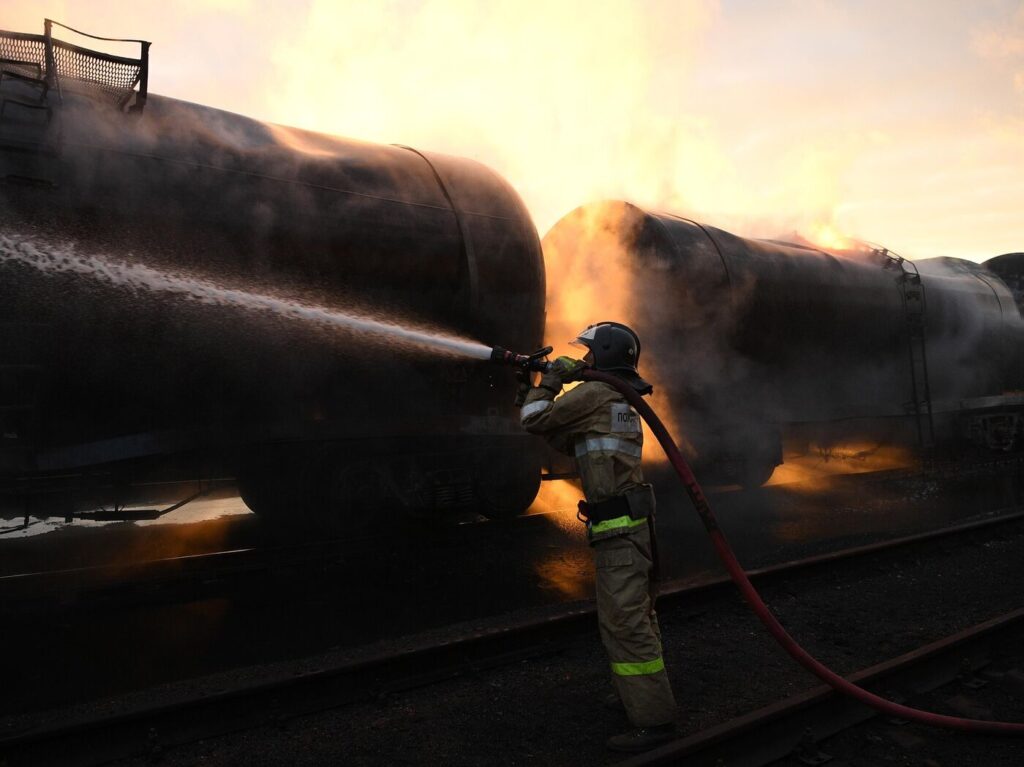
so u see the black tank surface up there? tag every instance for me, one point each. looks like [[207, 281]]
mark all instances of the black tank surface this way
[[755, 340], [102, 372]]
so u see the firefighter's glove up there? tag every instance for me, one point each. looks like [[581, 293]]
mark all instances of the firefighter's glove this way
[[569, 369], [563, 370]]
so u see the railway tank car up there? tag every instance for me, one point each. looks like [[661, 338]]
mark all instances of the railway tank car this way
[[754, 342], [109, 386]]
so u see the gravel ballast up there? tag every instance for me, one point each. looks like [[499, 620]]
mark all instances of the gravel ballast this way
[[722, 664]]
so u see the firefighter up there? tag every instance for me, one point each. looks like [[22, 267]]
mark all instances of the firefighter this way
[[595, 424]]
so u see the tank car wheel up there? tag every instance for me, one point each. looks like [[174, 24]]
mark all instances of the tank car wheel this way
[[755, 472], [757, 463], [507, 480], [281, 487], [251, 495]]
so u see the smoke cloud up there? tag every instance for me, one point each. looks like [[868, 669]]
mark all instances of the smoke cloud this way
[[564, 100], [893, 124]]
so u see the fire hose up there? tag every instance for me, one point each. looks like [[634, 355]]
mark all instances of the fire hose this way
[[739, 577]]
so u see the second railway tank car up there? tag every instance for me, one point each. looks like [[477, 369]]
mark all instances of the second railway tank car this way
[[754, 340], [108, 191]]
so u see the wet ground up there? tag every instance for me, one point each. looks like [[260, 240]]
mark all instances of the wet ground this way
[[387, 585]]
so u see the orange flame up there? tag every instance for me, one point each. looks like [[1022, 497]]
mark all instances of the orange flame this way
[[590, 278], [815, 468], [828, 237]]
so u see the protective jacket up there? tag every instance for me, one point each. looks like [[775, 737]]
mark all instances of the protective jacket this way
[[594, 423]]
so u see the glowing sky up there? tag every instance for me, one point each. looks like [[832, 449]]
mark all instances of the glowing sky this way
[[898, 122]]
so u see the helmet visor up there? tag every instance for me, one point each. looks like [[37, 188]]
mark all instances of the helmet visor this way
[[585, 337]]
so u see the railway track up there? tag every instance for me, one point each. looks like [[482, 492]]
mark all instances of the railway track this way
[[793, 727], [147, 729]]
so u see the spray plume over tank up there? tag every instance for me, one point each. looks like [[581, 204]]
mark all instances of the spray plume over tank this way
[[64, 259]]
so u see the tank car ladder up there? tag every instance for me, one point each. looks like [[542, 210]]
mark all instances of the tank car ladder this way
[[908, 280], [29, 146]]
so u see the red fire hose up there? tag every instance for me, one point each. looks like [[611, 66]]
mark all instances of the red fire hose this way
[[750, 594]]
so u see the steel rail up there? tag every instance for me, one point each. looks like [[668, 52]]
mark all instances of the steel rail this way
[[269, 701], [763, 574], [783, 728]]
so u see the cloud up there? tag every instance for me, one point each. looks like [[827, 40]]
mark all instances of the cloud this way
[[1004, 44], [1001, 41]]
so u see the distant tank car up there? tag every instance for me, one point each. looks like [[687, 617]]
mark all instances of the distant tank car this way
[[756, 341], [106, 385]]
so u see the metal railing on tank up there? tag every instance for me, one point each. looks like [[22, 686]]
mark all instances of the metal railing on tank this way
[[121, 81]]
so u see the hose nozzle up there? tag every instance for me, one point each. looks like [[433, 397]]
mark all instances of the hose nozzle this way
[[535, 361]]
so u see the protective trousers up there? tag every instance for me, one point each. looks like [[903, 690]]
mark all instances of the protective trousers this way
[[629, 627]]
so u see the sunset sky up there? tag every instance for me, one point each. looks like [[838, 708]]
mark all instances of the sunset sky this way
[[901, 123]]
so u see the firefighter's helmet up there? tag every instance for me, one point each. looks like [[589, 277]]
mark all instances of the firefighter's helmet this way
[[615, 349]]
